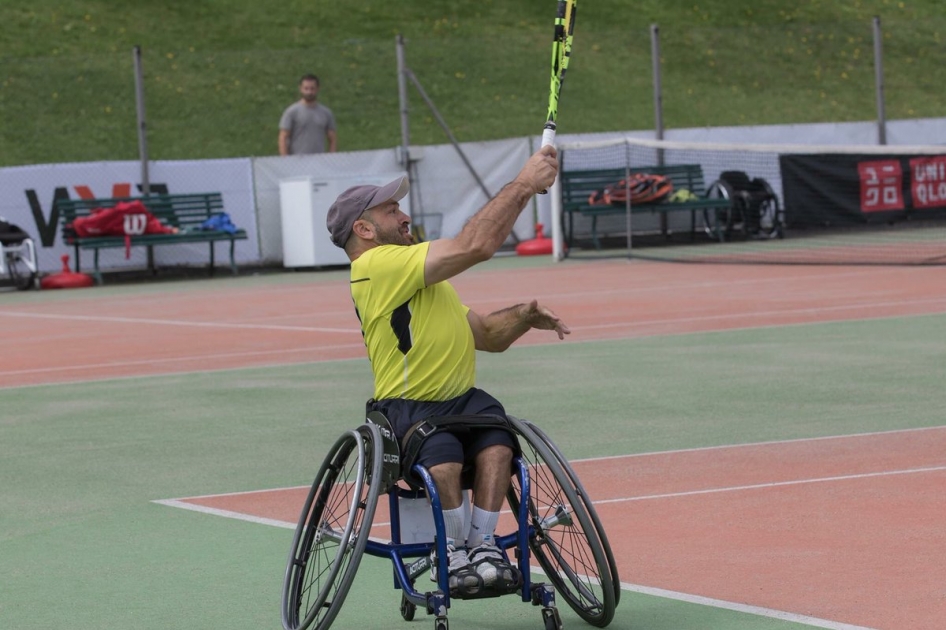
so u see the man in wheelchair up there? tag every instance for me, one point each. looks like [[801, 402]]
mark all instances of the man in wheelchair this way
[[421, 341]]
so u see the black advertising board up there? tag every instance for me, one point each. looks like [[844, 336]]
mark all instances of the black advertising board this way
[[857, 189]]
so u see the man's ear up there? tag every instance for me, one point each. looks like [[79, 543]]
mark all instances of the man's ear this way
[[363, 229]]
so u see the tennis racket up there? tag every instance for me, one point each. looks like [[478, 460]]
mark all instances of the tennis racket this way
[[561, 51]]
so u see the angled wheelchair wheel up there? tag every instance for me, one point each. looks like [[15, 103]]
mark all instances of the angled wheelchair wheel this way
[[333, 530], [22, 272], [721, 223], [771, 216], [568, 541], [592, 513]]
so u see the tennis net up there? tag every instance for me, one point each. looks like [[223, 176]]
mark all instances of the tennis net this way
[[803, 204]]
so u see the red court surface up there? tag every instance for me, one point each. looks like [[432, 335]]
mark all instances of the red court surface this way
[[844, 529], [132, 334]]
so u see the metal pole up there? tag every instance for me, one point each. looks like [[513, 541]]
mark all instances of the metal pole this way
[[446, 130], [879, 82], [409, 165], [142, 124], [658, 91], [658, 116], [402, 101]]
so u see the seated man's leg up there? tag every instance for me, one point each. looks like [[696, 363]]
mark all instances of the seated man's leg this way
[[442, 456], [492, 451]]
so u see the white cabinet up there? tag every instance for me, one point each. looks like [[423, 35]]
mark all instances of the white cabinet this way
[[304, 204]]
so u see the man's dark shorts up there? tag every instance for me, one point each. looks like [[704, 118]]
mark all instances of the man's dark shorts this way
[[443, 447]]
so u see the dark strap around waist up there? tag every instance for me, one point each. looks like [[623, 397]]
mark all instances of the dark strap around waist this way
[[413, 440]]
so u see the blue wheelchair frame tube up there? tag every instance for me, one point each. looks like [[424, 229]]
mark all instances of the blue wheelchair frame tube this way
[[397, 551]]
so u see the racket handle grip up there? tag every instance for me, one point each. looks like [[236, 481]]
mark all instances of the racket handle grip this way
[[548, 136]]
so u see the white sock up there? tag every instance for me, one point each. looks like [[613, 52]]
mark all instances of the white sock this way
[[453, 522], [482, 527]]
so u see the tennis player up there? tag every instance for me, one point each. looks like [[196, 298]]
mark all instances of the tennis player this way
[[421, 341]]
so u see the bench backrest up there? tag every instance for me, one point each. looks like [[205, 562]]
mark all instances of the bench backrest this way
[[180, 211], [577, 186]]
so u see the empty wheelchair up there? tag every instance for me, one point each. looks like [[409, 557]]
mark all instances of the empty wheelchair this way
[[18, 257], [754, 212], [555, 522]]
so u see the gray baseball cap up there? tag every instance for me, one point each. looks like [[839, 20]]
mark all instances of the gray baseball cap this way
[[351, 203]]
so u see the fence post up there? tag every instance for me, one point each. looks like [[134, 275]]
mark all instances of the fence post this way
[[879, 81], [658, 90], [142, 124]]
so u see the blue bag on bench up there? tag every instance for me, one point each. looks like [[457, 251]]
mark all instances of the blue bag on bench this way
[[221, 222]]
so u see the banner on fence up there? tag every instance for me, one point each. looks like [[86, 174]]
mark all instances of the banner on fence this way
[[30, 193], [853, 189]]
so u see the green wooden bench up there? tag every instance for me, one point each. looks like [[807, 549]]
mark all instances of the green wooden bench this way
[[186, 212], [578, 186]]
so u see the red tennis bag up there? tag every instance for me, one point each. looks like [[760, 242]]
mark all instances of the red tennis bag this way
[[126, 218], [643, 188]]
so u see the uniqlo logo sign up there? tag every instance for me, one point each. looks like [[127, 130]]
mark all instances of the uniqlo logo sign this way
[[881, 185], [928, 181]]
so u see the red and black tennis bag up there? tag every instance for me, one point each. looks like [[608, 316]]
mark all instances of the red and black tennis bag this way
[[126, 218], [642, 187]]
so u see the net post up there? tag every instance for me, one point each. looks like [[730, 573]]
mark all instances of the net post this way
[[558, 238]]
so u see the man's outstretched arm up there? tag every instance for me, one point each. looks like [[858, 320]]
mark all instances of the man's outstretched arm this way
[[497, 331], [488, 229]]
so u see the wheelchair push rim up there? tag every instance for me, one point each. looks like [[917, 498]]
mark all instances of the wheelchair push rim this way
[[333, 530]]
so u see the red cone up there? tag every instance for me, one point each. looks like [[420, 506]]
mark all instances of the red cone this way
[[66, 279], [537, 246]]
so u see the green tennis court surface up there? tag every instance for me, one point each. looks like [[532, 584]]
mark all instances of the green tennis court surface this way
[[82, 545]]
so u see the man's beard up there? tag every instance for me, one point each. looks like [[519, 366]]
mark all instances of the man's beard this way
[[393, 237]]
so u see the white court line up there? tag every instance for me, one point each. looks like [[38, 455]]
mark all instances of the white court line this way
[[670, 286], [353, 330], [742, 608], [774, 484], [239, 516], [775, 313], [177, 322], [200, 357], [720, 447]]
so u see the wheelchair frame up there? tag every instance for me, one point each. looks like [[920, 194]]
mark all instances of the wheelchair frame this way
[[755, 211], [556, 523], [18, 260]]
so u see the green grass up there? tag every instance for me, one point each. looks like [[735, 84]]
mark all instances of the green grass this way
[[219, 72]]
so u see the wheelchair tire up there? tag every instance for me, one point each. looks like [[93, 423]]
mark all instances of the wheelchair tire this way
[[571, 551], [333, 530], [771, 216], [728, 221], [21, 275], [599, 528]]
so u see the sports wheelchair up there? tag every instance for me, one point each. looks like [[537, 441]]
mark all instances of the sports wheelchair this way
[[555, 521], [754, 212], [18, 257]]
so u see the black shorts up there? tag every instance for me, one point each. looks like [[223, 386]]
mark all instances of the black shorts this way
[[443, 446]]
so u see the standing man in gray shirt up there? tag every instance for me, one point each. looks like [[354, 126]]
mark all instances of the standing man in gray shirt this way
[[307, 126]]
